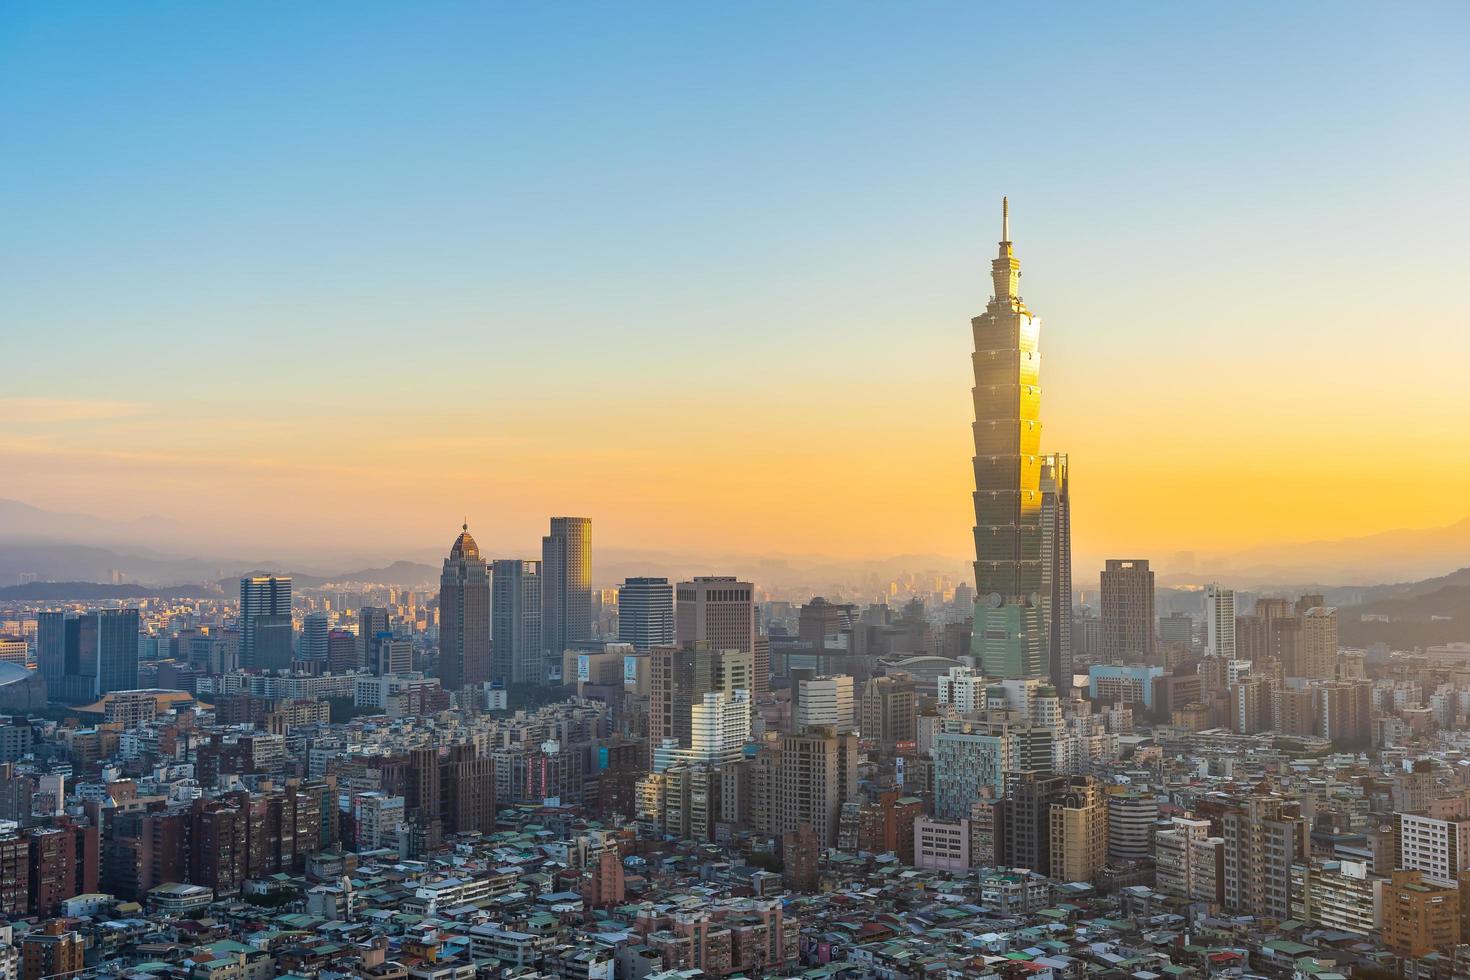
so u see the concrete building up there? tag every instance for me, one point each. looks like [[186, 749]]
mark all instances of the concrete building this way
[[824, 702], [942, 845], [967, 768], [1079, 831], [1131, 818], [377, 817], [1188, 862], [719, 728], [720, 610], [1219, 622], [1420, 916], [680, 677], [1319, 643], [1264, 836], [1338, 895], [53, 950], [887, 711], [816, 775], [1438, 848], [1128, 612], [1027, 807], [1123, 683], [963, 688]]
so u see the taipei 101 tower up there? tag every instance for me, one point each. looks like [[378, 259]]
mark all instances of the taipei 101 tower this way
[[1009, 638]]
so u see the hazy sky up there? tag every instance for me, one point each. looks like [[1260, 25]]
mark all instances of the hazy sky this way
[[703, 272]]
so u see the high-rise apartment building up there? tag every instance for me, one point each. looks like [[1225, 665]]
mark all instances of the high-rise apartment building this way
[[1079, 830], [1007, 638], [516, 629], [1128, 612], [646, 613], [1251, 642], [464, 616], [1319, 643], [1188, 862], [52, 950], [566, 585], [1219, 622], [1264, 836], [1346, 711], [265, 602], [1439, 848], [1027, 809], [1420, 916], [1056, 566], [1131, 818], [467, 783], [1337, 894], [968, 767], [1176, 630], [816, 775]]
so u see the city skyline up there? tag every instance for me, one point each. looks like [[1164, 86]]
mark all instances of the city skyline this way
[[329, 320], [225, 217]]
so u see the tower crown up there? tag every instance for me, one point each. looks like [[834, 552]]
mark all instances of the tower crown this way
[[1005, 270], [464, 545]]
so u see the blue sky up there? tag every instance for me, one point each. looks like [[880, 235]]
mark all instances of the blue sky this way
[[317, 214]]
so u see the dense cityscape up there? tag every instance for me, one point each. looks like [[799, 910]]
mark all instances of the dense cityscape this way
[[523, 771]]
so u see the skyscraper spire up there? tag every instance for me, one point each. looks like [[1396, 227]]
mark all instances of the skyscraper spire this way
[[1005, 269]]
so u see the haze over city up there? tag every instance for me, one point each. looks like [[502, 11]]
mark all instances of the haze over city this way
[[333, 280]]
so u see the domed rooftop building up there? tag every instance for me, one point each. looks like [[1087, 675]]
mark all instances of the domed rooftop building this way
[[21, 690], [464, 545]]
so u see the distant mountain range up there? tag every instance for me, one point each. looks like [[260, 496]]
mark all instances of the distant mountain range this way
[[1423, 613], [41, 545], [93, 591], [405, 574], [1406, 554]]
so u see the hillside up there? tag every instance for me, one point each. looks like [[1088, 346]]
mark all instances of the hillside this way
[[94, 591]]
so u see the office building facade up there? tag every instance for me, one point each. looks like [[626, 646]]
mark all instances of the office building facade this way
[[1128, 612], [516, 628], [265, 603], [566, 585], [646, 613], [464, 616]]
